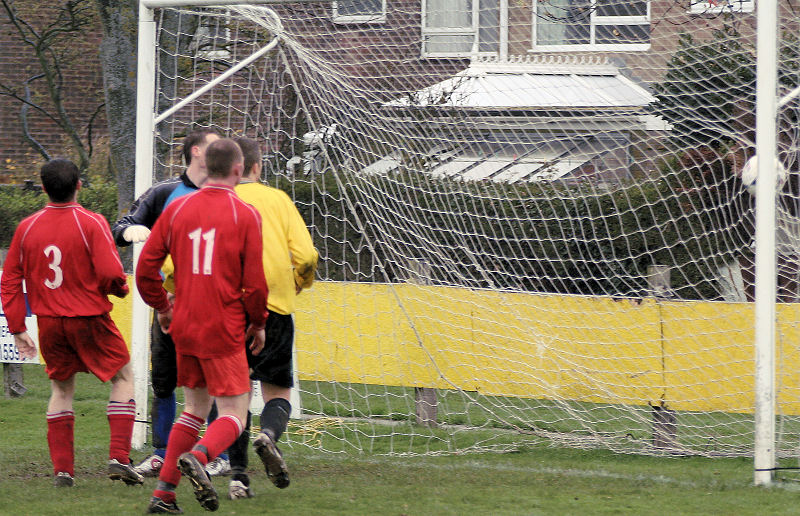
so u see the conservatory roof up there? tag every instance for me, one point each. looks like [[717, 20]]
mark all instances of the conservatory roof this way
[[554, 82]]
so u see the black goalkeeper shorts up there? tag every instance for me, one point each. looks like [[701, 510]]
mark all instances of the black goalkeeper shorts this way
[[274, 363], [164, 368]]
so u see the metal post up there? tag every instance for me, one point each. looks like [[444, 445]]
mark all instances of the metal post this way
[[766, 289], [145, 106], [426, 406], [13, 381]]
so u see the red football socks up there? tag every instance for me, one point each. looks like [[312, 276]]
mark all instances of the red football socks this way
[[166, 496], [120, 422], [60, 439], [181, 439], [221, 433]]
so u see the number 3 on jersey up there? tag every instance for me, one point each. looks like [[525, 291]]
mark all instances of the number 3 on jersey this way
[[208, 252], [54, 253]]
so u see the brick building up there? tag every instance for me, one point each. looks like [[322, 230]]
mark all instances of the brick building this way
[[392, 46]]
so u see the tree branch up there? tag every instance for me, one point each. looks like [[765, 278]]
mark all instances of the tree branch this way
[[20, 25], [23, 117], [9, 92], [71, 19], [90, 125]]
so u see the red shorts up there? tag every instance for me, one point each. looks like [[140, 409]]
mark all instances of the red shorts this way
[[223, 376], [91, 344]]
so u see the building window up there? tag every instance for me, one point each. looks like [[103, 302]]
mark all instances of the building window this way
[[359, 11], [460, 28], [721, 6], [591, 25], [213, 37]]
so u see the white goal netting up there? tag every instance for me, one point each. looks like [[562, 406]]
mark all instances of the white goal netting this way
[[531, 216]]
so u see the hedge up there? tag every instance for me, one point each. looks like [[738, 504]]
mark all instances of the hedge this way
[[536, 237], [17, 202], [540, 237]]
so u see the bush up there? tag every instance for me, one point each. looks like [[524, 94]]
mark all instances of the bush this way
[[101, 197], [17, 202], [541, 237]]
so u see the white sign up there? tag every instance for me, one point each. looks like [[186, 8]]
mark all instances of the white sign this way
[[8, 351]]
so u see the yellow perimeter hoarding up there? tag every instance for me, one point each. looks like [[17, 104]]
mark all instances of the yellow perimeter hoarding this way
[[696, 356]]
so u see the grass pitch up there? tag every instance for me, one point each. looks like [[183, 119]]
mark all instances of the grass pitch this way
[[533, 481]]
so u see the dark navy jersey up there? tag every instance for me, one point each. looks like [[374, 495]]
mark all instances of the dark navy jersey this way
[[147, 208]]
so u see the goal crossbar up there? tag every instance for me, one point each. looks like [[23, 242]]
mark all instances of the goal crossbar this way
[[211, 84]]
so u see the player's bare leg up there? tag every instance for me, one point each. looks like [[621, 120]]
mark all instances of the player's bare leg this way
[[121, 412], [122, 384], [60, 431], [274, 420], [61, 395]]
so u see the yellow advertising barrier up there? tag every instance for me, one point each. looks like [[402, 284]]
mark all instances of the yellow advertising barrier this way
[[695, 356]]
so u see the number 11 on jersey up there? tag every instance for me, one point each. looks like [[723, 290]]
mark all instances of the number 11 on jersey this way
[[208, 252]]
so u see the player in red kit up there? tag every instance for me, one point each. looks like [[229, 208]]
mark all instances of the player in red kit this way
[[214, 239], [67, 258]]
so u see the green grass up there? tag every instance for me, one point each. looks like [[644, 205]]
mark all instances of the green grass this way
[[535, 479], [625, 427]]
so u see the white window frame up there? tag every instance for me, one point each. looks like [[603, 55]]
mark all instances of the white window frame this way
[[359, 18], [474, 31], [595, 21], [728, 6]]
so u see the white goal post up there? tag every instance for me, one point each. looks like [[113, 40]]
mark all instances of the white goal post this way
[[536, 224], [146, 121], [766, 284]]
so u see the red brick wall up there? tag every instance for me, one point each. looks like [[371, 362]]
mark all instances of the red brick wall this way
[[82, 91]]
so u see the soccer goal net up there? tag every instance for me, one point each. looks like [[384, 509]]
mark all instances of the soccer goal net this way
[[535, 219]]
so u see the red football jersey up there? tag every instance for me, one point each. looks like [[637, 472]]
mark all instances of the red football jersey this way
[[214, 239], [66, 255]]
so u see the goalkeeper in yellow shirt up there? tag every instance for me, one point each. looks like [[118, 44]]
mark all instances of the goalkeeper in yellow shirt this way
[[290, 262]]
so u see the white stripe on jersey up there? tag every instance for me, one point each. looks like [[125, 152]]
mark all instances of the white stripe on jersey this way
[[80, 228]]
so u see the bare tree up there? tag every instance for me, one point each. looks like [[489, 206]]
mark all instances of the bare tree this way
[[52, 43]]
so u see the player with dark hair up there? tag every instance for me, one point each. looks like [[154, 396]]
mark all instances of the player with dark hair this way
[[135, 227], [66, 256], [214, 239], [289, 261]]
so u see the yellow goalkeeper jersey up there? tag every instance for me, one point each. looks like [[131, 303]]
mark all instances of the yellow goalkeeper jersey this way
[[289, 256]]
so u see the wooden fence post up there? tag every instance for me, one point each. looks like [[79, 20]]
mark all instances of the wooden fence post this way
[[426, 406], [13, 383]]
